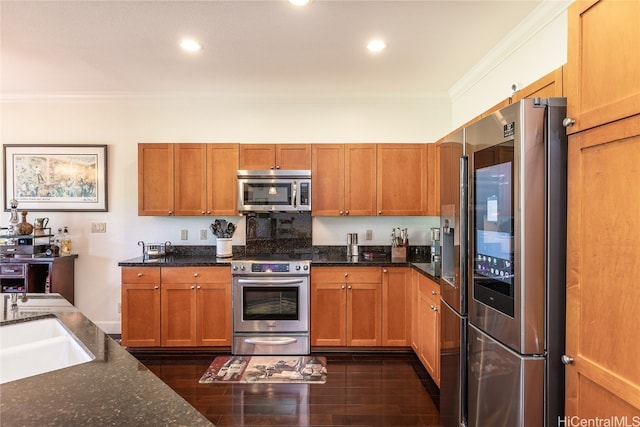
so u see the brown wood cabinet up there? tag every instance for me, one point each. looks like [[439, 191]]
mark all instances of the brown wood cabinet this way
[[275, 156], [140, 306], [344, 179], [603, 91], [191, 306], [187, 179], [428, 318], [433, 179], [402, 177], [155, 179], [603, 64], [396, 306], [196, 306], [222, 171], [603, 218], [31, 274], [550, 85], [346, 306]]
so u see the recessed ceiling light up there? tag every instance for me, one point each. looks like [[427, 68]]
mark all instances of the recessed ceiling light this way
[[300, 2], [191, 45], [376, 45]]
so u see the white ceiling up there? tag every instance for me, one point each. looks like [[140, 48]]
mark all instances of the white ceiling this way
[[265, 48]]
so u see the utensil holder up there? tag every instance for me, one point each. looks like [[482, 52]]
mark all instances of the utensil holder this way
[[398, 254], [224, 248]]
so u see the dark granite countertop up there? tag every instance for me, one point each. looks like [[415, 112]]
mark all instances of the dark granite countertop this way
[[322, 256], [113, 389]]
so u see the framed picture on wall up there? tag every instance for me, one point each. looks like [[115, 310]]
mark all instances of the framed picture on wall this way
[[56, 177]]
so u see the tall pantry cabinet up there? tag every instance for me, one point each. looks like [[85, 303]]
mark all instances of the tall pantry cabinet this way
[[603, 249]]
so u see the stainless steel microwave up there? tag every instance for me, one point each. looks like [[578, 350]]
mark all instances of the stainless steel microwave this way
[[274, 190]]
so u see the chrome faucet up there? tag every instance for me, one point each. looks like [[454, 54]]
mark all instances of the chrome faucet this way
[[14, 299]]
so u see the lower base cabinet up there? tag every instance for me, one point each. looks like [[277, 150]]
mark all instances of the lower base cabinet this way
[[346, 306], [425, 320], [176, 306]]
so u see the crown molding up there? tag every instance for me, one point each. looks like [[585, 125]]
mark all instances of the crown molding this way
[[534, 23]]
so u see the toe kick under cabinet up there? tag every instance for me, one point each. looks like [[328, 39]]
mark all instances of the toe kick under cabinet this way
[[176, 306]]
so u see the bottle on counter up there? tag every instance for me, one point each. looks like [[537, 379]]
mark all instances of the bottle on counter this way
[[65, 242]]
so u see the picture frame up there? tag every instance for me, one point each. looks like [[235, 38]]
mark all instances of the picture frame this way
[[56, 177]]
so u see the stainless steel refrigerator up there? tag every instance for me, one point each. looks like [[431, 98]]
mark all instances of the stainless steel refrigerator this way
[[453, 281], [517, 254]]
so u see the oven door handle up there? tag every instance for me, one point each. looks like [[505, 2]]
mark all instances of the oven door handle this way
[[271, 341], [270, 281]]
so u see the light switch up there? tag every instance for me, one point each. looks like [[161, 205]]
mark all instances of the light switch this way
[[184, 234]]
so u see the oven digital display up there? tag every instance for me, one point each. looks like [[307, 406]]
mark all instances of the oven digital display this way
[[270, 267]]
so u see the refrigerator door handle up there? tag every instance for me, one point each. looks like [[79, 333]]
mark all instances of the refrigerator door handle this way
[[464, 229]]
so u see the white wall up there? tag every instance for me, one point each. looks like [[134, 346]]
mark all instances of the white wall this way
[[535, 48], [122, 123]]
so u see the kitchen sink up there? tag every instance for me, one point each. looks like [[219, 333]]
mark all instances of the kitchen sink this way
[[38, 346]]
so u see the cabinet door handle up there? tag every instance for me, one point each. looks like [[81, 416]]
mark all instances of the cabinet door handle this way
[[568, 122], [346, 212], [434, 293], [195, 274], [384, 270], [566, 360], [170, 212], [349, 287], [198, 287], [139, 274], [193, 287], [341, 213], [346, 274], [156, 287], [342, 287], [379, 212]]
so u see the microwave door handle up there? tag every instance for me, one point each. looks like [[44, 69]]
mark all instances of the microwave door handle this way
[[295, 194]]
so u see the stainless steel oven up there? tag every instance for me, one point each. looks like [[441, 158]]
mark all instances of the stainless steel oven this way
[[270, 307]]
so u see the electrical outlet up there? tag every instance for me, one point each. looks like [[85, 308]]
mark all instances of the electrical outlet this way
[[119, 307], [368, 235], [203, 234], [98, 227], [184, 234]]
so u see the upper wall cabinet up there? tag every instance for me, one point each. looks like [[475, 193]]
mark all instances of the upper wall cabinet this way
[[278, 156], [548, 86], [402, 173], [603, 64], [187, 179], [155, 179], [344, 179]]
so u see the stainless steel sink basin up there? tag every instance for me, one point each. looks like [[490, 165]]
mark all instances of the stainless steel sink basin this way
[[38, 346]]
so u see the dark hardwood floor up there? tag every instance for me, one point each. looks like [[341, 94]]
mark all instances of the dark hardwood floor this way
[[361, 390]]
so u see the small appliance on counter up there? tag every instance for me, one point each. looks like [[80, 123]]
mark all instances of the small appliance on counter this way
[[352, 245]]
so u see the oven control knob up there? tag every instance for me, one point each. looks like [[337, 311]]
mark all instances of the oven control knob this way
[[306, 267], [234, 268], [297, 267]]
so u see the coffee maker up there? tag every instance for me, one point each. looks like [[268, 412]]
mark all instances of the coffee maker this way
[[436, 258]]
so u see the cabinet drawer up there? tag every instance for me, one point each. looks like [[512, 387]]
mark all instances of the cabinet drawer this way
[[12, 270], [140, 275], [196, 274], [347, 274], [430, 288]]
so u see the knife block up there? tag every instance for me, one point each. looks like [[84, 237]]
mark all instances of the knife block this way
[[398, 254]]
